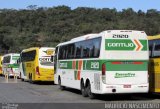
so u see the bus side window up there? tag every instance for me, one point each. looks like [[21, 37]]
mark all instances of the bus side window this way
[[97, 44], [62, 52], [78, 50], [85, 51], [70, 51], [157, 49]]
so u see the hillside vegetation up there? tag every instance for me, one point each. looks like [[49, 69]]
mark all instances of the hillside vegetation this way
[[40, 26]]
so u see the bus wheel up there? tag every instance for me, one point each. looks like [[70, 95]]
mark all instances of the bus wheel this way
[[30, 78], [90, 94], [20, 75], [83, 89], [22, 79], [60, 86]]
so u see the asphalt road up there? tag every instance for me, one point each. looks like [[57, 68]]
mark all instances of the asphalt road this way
[[48, 96]]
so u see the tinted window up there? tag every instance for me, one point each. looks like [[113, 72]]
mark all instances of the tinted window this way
[[156, 52], [70, 51], [62, 52], [96, 47], [78, 50], [7, 59], [83, 49], [28, 56]]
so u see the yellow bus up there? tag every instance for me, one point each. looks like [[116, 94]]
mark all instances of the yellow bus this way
[[1, 59], [35, 64], [154, 66]]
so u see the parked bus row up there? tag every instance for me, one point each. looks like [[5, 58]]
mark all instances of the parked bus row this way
[[8, 64], [32, 64], [113, 61]]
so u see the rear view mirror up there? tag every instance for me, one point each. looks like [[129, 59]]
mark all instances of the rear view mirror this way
[[18, 61], [52, 59]]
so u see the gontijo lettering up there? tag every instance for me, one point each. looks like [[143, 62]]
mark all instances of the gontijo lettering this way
[[63, 65], [125, 44], [120, 45]]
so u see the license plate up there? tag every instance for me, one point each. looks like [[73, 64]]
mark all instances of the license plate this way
[[126, 86]]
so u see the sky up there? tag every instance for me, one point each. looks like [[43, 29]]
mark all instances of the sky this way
[[143, 5]]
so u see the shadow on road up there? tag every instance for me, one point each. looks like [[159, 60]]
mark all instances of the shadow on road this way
[[43, 83]]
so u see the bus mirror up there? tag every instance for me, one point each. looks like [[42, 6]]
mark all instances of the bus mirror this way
[[17, 62], [52, 58]]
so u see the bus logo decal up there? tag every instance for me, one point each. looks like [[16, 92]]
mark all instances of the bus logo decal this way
[[124, 75], [125, 44], [139, 46], [49, 52], [95, 65]]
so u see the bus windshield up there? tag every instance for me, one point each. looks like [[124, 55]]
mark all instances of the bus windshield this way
[[7, 59], [28, 56]]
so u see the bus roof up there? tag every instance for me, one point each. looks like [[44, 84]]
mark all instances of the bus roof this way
[[80, 38], [90, 36], [121, 31], [153, 37], [34, 48], [83, 37], [11, 54]]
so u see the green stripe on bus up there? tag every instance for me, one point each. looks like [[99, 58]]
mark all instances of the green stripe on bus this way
[[127, 67], [92, 65], [13, 65], [96, 65], [124, 44], [65, 65]]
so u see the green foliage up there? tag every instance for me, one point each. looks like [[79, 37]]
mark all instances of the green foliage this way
[[41, 26]]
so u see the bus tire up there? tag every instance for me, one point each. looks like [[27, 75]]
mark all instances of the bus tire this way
[[30, 78], [20, 75], [89, 92], [59, 83], [22, 79], [83, 89]]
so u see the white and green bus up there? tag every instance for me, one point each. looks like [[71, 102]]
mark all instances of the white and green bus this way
[[9, 65], [114, 61]]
